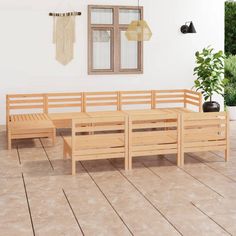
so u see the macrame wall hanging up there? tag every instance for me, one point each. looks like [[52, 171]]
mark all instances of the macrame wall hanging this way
[[64, 35]]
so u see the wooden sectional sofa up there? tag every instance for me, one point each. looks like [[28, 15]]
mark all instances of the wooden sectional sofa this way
[[155, 122]]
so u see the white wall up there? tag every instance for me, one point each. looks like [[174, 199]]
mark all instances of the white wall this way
[[27, 61]]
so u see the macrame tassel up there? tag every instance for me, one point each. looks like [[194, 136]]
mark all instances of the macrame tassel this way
[[64, 38]]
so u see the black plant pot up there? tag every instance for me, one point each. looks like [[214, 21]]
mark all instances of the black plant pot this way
[[211, 106]]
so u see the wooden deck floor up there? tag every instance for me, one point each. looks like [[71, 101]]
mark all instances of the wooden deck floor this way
[[38, 196]]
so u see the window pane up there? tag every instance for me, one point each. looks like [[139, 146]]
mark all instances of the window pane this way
[[101, 49], [129, 53], [102, 16], [126, 16]]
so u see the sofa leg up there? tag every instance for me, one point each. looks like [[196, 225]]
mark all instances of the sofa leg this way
[[73, 167], [9, 141], [54, 137], [182, 159], [126, 163], [226, 155], [130, 163], [179, 159]]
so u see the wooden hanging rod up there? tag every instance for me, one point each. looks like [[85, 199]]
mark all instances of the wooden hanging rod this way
[[74, 13]]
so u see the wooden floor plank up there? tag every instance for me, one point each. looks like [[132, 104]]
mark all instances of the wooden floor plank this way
[[136, 212], [14, 214]]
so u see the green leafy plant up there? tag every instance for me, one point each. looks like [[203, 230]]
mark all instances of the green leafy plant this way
[[210, 72], [230, 78], [230, 69], [230, 27], [230, 96]]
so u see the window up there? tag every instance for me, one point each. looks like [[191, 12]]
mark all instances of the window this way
[[109, 51]]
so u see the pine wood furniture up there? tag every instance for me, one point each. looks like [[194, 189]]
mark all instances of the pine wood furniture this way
[[164, 123], [29, 125], [101, 101], [180, 98], [97, 138], [61, 108], [205, 132], [154, 134]]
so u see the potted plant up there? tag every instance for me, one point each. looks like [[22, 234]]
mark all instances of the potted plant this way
[[210, 77]]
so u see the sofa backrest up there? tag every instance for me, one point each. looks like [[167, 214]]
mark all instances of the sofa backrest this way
[[135, 99], [60, 101], [99, 100]]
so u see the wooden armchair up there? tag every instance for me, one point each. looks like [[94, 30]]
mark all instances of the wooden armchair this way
[[154, 135], [205, 132], [97, 138]]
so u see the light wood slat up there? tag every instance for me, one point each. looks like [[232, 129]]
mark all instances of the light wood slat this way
[[192, 103], [154, 152], [196, 98], [95, 114], [148, 97], [30, 135], [135, 92], [51, 100], [26, 107], [155, 133], [30, 131], [103, 119], [205, 144], [101, 99], [25, 95], [98, 151], [102, 128], [205, 149], [135, 102], [26, 101], [169, 96], [153, 117], [202, 137], [99, 157], [153, 140], [155, 125], [95, 137], [100, 93], [63, 94], [101, 104], [171, 101], [207, 115], [154, 147], [177, 109], [204, 122], [206, 130], [64, 105], [170, 91]]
